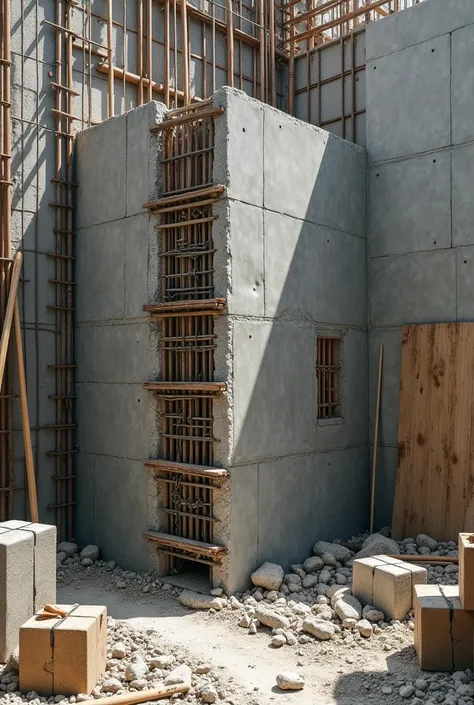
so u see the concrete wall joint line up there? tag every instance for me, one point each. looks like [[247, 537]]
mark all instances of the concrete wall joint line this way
[[415, 155], [272, 459]]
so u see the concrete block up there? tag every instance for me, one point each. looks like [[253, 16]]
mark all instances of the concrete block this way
[[270, 360], [137, 231], [408, 101], [127, 343], [312, 270], [16, 587], [312, 175], [363, 578], [246, 252], [466, 571], [395, 225], [243, 526], [113, 419], [462, 86], [417, 24], [331, 492], [392, 351], [44, 541], [463, 207], [138, 169], [101, 169], [392, 589], [100, 272], [401, 288], [443, 630], [238, 132]]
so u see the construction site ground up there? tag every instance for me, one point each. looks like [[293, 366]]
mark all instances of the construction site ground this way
[[248, 665]]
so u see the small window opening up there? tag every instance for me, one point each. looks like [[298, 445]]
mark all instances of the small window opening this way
[[328, 377]]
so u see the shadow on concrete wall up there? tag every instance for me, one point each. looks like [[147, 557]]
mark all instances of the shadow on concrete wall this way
[[295, 481]]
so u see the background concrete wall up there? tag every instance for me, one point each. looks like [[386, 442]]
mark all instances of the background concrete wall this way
[[293, 223], [420, 132], [116, 347]]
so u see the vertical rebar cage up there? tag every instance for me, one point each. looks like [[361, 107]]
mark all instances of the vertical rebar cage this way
[[188, 342]]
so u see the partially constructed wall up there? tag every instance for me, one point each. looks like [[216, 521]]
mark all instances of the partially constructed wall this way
[[420, 163]]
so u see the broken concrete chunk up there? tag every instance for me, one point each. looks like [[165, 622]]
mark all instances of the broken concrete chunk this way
[[365, 628], [422, 540], [268, 576], [287, 680], [68, 548], [91, 552], [376, 544], [196, 601], [348, 606], [313, 564], [179, 676], [271, 619], [320, 629], [340, 553]]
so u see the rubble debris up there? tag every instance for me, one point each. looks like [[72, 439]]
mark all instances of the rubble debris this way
[[287, 680], [376, 545], [269, 576], [196, 601]]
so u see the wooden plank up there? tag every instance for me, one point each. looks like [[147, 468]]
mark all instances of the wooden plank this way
[[434, 491], [206, 549], [186, 468]]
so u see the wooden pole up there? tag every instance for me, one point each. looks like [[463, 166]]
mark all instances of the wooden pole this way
[[25, 421], [185, 50], [230, 45], [149, 49], [427, 559], [261, 21], [139, 49], [110, 60], [167, 53], [376, 439], [7, 324], [147, 695], [271, 22]]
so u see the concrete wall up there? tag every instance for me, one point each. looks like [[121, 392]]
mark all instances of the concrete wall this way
[[293, 223], [116, 348], [420, 132]]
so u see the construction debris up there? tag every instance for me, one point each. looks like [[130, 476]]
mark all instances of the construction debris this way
[[290, 681]]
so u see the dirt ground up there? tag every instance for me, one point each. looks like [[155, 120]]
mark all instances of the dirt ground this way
[[335, 674]]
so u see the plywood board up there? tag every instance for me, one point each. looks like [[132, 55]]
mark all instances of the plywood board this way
[[434, 492]]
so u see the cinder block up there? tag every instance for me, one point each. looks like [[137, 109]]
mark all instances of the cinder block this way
[[363, 578], [443, 630], [64, 656], [44, 570], [16, 587], [466, 571], [392, 590]]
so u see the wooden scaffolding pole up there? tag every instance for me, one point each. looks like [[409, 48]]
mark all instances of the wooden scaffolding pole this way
[[110, 93]]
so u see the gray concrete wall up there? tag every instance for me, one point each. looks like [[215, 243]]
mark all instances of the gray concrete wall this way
[[293, 223], [116, 348], [420, 133]]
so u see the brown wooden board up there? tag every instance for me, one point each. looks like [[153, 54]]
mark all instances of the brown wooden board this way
[[434, 491]]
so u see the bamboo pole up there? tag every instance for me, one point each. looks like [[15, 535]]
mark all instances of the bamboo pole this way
[[7, 323], [271, 22], [149, 47], [147, 695], [25, 421], [230, 44], [376, 438], [261, 20], [185, 50], [167, 53], [110, 92]]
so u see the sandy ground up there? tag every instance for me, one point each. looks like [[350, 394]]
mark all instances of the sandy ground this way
[[334, 673]]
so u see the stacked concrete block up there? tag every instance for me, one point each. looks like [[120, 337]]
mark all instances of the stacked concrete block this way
[[27, 576], [466, 571], [44, 559], [443, 629], [387, 584], [16, 586]]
